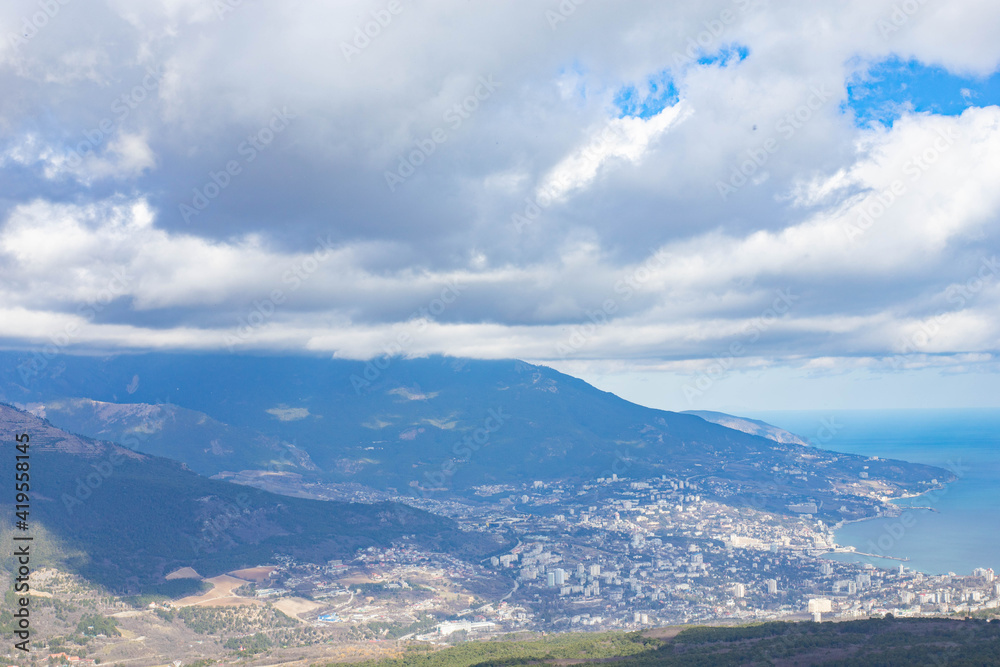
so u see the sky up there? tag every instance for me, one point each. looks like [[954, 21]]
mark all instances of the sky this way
[[736, 204]]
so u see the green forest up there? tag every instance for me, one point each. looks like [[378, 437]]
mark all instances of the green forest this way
[[885, 642]]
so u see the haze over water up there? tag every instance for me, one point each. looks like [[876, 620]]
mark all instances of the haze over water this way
[[965, 531]]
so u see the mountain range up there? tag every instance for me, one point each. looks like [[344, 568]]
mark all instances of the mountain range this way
[[125, 519], [751, 426], [435, 427]]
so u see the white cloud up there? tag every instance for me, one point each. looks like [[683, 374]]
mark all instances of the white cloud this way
[[287, 414], [104, 229], [628, 138], [125, 156]]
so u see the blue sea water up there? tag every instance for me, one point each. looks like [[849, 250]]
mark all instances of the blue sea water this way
[[964, 532]]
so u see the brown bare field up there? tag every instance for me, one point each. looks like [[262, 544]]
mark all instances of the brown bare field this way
[[183, 573], [295, 606], [356, 579], [231, 602], [668, 632], [221, 594], [255, 574]]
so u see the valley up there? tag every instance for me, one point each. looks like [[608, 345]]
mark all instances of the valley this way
[[448, 504]]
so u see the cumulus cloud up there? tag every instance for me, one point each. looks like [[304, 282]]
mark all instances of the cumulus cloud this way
[[626, 138], [125, 156], [752, 210]]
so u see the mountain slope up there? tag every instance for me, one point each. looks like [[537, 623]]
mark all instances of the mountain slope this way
[[206, 445], [436, 426], [750, 426], [125, 519]]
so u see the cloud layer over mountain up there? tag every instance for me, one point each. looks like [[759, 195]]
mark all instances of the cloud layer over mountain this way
[[650, 187]]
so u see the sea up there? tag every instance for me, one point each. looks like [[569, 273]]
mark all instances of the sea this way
[[962, 531]]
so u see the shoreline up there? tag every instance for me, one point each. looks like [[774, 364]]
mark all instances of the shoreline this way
[[963, 446], [891, 510]]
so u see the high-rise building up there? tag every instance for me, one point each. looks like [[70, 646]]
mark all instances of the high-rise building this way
[[820, 605], [984, 572], [772, 586]]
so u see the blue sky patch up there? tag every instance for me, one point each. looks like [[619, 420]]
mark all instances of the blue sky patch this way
[[660, 92], [886, 90], [726, 56]]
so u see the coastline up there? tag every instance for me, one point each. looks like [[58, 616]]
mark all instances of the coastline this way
[[950, 527], [893, 510]]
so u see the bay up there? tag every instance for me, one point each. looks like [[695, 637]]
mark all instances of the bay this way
[[963, 532]]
